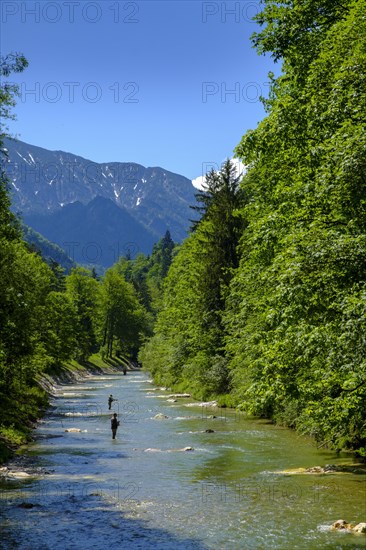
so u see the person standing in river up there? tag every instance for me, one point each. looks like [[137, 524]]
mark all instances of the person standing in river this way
[[114, 425], [110, 401]]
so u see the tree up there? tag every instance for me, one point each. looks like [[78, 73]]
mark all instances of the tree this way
[[122, 316], [294, 29], [83, 292], [60, 328], [167, 247], [12, 63], [188, 343], [300, 285], [9, 228], [279, 320], [25, 281]]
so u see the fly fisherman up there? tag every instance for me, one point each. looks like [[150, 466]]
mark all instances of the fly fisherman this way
[[114, 425]]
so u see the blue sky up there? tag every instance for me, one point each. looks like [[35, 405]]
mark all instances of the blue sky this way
[[162, 83]]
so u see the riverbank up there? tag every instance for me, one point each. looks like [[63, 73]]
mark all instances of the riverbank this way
[[19, 433]]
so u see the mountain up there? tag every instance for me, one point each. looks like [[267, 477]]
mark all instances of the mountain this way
[[48, 250], [96, 233], [44, 182]]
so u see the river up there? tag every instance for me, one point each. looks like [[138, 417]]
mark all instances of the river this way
[[142, 491]]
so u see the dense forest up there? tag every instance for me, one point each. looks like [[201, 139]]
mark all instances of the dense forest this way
[[265, 304]]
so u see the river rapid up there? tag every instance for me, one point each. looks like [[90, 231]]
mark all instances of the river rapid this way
[[143, 491]]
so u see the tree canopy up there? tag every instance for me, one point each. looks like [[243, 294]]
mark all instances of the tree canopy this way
[[266, 308]]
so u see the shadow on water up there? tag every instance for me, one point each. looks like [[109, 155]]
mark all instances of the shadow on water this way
[[59, 516]]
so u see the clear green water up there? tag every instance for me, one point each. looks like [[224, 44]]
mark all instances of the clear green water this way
[[140, 491]]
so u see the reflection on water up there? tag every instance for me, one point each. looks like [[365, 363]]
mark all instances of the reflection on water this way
[[224, 494]]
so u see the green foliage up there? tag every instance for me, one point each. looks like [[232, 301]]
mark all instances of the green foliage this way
[[187, 347], [295, 314], [279, 322], [13, 62], [60, 328], [122, 317], [12, 436], [83, 292], [148, 273], [50, 252], [294, 29], [25, 282]]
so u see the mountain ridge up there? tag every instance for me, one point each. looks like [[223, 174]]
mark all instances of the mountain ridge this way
[[44, 180], [46, 184]]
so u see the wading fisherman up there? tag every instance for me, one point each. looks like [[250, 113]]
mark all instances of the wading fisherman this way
[[110, 401], [114, 425]]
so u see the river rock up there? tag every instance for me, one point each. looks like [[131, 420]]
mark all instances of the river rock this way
[[208, 404], [341, 524], [18, 475], [26, 505], [332, 468], [315, 470], [327, 469], [202, 404], [171, 400], [160, 416], [179, 395], [209, 431], [74, 430], [360, 528], [181, 450]]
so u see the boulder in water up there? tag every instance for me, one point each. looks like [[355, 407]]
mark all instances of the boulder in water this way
[[360, 528], [17, 474], [341, 524], [160, 416]]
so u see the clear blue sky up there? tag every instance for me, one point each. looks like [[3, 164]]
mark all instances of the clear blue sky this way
[[146, 82]]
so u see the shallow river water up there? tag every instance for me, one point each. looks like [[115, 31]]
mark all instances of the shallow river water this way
[[143, 491]]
